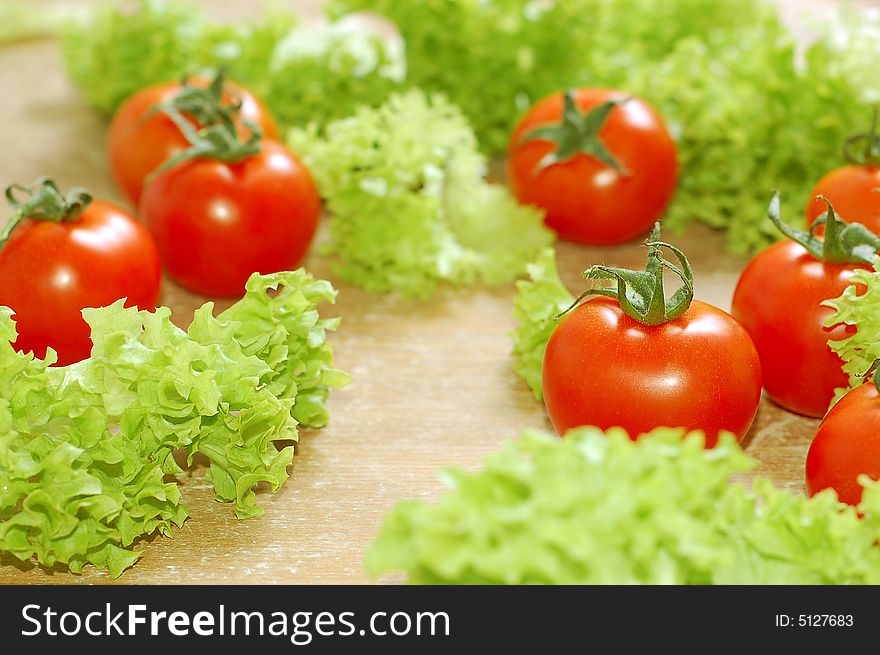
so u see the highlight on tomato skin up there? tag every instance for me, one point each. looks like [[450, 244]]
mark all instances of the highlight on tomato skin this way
[[600, 162], [846, 446], [87, 253]]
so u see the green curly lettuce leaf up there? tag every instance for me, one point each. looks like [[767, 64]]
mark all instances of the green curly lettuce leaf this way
[[119, 50], [493, 59], [599, 508], [285, 331], [85, 449], [738, 137], [858, 306], [198, 392], [408, 203], [538, 301], [324, 72], [496, 58], [74, 489], [303, 73]]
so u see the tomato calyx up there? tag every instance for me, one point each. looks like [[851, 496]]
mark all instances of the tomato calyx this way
[[871, 373], [843, 243], [203, 103], [577, 133], [43, 201], [641, 294], [218, 135], [870, 156]]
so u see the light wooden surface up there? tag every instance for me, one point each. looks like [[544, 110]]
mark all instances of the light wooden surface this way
[[432, 382]]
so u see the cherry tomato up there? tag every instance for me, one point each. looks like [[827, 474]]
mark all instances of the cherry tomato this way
[[778, 300], [847, 445], [587, 199], [216, 223], [139, 142], [50, 271], [699, 371], [855, 193]]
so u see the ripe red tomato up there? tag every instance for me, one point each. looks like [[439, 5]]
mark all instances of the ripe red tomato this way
[[137, 144], [50, 271], [587, 199], [847, 445], [216, 223], [778, 300], [698, 371], [855, 193]]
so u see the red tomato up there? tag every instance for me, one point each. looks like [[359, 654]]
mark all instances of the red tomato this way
[[855, 193], [585, 199], [216, 223], [137, 145], [699, 371], [50, 271], [847, 445], [778, 301]]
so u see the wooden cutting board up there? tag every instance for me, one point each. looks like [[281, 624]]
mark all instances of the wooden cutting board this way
[[432, 382]]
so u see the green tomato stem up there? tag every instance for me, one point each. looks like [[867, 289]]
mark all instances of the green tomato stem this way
[[843, 243], [871, 155], [43, 201], [217, 137], [577, 133], [641, 294], [871, 372]]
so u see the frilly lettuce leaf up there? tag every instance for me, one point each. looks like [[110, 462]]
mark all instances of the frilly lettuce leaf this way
[[303, 73], [285, 331], [408, 204], [494, 59], [599, 508], [859, 306], [85, 449], [737, 136], [72, 490], [538, 300], [170, 390], [324, 72], [116, 51]]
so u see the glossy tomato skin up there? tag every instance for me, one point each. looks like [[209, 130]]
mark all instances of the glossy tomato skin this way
[[699, 371], [778, 301], [584, 199], [847, 445], [137, 144], [850, 189], [216, 223], [50, 271]]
